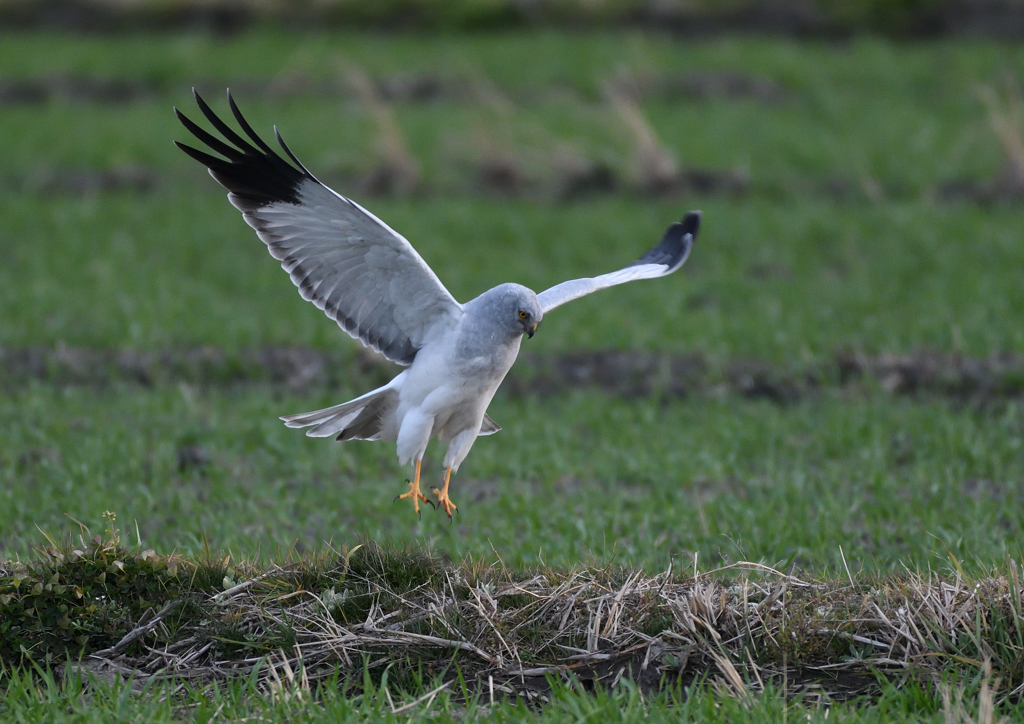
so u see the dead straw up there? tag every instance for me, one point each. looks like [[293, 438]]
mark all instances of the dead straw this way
[[397, 172], [744, 625], [1006, 117]]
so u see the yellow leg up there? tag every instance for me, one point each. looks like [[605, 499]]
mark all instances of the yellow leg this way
[[414, 491], [442, 495]]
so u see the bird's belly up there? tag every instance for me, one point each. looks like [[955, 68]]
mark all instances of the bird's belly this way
[[457, 420], [457, 407], [454, 392]]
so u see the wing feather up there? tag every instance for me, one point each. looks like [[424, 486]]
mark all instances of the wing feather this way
[[346, 261], [488, 427], [663, 259]]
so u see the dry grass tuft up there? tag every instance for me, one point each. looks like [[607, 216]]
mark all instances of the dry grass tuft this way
[[373, 609], [655, 169], [1005, 109], [1006, 116], [398, 173], [517, 154], [501, 166], [285, 683], [954, 710]]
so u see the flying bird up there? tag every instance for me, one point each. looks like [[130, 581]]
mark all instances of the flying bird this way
[[370, 280]]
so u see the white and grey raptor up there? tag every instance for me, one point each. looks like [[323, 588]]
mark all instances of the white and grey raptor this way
[[370, 280]]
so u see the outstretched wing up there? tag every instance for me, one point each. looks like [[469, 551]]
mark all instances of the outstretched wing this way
[[663, 259], [345, 260]]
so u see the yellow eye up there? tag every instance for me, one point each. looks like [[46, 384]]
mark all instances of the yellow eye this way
[[522, 315]]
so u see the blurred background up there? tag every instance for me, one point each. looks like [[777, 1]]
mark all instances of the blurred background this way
[[840, 362]]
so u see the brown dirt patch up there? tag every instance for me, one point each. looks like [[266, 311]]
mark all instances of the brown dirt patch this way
[[88, 182], [793, 18], [634, 374]]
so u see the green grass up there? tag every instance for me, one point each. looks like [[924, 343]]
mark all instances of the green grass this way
[[29, 700], [45, 700], [785, 274], [904, 115], [179, 267], [569, 478]]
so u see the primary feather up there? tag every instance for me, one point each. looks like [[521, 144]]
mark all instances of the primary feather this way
[[663, 259], [343, 259]]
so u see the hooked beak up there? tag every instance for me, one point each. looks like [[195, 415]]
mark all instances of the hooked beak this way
[[532, 331]]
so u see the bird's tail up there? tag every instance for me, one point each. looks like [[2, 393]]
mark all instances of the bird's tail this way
[[358, 419]]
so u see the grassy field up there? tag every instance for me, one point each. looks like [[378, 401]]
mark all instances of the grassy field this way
[[842, 240]]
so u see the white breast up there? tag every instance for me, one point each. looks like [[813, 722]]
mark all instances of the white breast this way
[[454, 389]]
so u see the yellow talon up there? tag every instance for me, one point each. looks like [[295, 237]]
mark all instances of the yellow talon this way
[[442, 495], [414, 491]]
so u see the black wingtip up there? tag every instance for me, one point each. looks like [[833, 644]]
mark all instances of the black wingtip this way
[[691, 222], [676, 245], [254, 173], [292, 156]]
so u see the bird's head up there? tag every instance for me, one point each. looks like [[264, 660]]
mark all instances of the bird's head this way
[[529, 314], [515, 308]]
